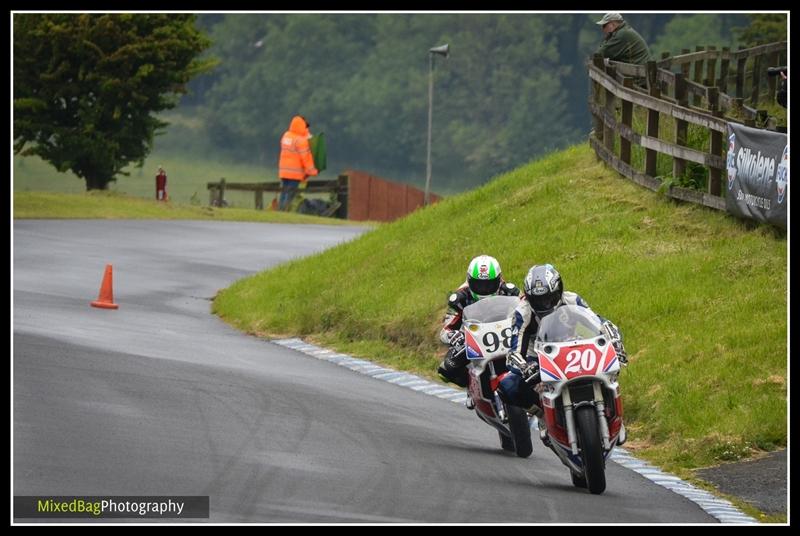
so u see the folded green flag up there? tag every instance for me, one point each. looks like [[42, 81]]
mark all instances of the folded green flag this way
[[319, 151]]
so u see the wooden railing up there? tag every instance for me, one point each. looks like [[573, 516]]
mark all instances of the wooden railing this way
[[618, 87], [339, 187], [743, 81], [739, 88]]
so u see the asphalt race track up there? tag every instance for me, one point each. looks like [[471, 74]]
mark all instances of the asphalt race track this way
[[160, 397]]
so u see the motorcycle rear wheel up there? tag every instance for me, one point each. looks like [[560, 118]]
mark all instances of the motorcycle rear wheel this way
[[520, 430], [594, 466]]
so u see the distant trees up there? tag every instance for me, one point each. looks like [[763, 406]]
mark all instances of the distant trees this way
[[85, 86], [687, 31], [362, 78], [513, 88], [764, 28]]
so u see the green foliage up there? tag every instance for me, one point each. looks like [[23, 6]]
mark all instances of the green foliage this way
[[694, 177], [763, 28], [85, 86], [689, 31]]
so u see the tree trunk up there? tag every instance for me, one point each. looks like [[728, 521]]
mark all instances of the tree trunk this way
[[97, 183]]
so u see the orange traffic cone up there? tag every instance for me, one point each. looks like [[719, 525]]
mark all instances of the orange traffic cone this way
[[106, 298]]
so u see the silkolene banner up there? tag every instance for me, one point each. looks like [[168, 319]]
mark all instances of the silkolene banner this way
[[758, 174]]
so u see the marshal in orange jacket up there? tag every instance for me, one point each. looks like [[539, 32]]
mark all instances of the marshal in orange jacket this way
[[296, 162]]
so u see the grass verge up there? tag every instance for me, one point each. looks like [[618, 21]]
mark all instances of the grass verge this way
[[187, 178], [113, 205], [701, 297]]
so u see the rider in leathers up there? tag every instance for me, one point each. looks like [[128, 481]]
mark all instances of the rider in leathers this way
[[484, 278], [543, 292]]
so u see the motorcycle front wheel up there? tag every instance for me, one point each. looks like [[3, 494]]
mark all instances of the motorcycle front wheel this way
[[578, 481], [594, 467], [506, 442]]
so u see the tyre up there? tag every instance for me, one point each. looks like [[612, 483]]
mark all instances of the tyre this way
[[506, 442], [578, 481], [594, 466], [520, 430]]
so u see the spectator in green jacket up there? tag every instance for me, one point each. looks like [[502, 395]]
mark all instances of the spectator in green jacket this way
[[621, 42]]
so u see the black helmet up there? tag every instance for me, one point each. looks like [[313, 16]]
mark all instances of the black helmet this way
[[543, 288]]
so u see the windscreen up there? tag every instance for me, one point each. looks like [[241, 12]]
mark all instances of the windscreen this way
[[491, 309], [569, 323]]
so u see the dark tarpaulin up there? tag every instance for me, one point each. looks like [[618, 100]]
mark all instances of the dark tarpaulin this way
[[758, 174]]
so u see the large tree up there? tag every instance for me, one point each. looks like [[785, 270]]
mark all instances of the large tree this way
[[86, 86]]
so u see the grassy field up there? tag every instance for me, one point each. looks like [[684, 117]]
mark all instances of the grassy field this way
[[701, 297], [115, 205], [187, 178]]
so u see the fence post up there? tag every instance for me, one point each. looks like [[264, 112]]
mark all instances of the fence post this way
[[756, 81], [608, 132], [627, 120], [685, 67], [724, 66], [711, 71], [741, 66], [771, 123], [652, 119], [221, 192], [212, 195], [597, 60], [664, 86], [698, 74], [773, 62], [737, 108], [342, 194], [714, 173], [259, 199], [681, 126]]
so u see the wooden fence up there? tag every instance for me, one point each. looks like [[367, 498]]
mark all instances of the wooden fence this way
[[358, 195], [378, 199], [688, 97], [339, 186]]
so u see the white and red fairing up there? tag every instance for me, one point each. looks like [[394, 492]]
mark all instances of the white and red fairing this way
[[564, 362]]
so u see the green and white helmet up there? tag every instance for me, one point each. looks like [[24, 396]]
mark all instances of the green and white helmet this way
[[484, 276]]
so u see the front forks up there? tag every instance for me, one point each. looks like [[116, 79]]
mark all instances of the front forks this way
[[500, 408], [601, 415], [569, 417]]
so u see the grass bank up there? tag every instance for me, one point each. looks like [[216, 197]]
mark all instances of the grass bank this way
[[114, 205], [700, 297]]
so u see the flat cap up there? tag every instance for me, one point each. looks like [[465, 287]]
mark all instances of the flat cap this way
[[608, 17]]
